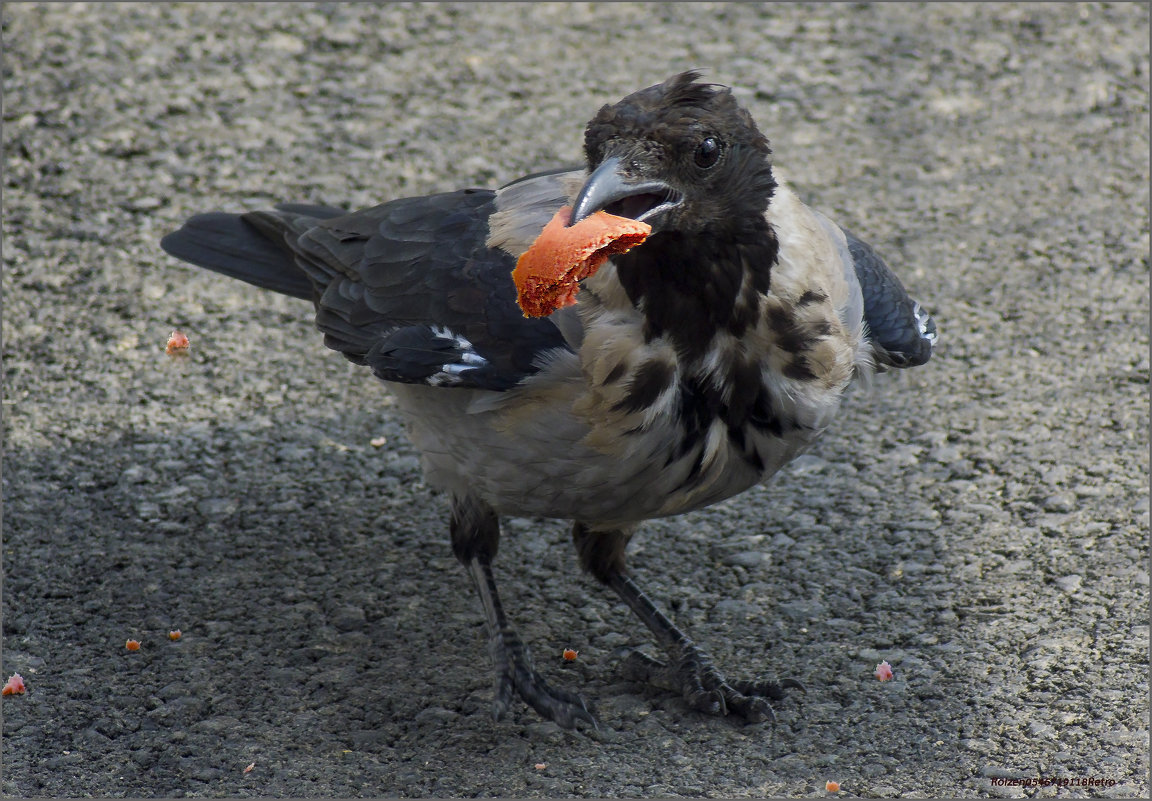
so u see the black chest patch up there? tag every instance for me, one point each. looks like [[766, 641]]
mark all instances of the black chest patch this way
[[691, 287], [646, 386], [701, 404], [797, 337]]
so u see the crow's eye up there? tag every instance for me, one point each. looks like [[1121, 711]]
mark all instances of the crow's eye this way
[[707, 153]]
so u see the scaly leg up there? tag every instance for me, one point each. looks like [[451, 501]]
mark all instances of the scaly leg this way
[[475, 534], [690, 670]]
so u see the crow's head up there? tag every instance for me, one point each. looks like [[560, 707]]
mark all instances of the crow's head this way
[[682, 156]]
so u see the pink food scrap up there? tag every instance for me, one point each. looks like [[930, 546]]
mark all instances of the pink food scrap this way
[[177, 344]]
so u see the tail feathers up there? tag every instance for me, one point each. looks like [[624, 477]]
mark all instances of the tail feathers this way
[[229, 244]]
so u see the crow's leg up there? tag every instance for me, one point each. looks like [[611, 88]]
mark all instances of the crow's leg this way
[[690, 670], [475, 534]]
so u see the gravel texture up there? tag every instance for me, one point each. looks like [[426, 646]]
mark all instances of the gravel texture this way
[[980, 523]]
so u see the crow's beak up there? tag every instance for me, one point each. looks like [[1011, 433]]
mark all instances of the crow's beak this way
[[608, 188]]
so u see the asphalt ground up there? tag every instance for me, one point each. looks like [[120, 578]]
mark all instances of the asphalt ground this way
[[981, 523]]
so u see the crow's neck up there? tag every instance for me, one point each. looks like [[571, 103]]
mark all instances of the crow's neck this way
[[692, 287]]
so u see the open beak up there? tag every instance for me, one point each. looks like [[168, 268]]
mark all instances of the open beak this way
[[609, 189]]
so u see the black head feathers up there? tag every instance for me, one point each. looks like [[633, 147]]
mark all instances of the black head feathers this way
[[685, 89], [680, 107], [692, 159]]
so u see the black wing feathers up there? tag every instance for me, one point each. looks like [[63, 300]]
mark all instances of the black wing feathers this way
[[408, 287], [428, 301]]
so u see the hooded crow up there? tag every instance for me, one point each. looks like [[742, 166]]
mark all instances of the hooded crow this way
[[690, 368]]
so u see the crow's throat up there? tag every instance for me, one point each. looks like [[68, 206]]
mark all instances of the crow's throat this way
[[692, 287]]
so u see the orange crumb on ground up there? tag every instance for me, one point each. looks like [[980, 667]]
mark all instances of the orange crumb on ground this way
[[177, 344]]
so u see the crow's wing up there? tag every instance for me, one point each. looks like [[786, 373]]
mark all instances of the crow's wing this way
[[902, 333], [411, 289]]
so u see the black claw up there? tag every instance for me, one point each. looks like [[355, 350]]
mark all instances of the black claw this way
[[718, 705], [754, 708], [501, 697], [567, 714]]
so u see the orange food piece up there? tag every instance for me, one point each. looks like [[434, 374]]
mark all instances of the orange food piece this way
[[832, 787], [14, 686], [884, 671], [174, 634], [570, 655], [177, 344], [541, 765], [132, 645], [548, 275]]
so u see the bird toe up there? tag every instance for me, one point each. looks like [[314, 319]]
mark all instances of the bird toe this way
[[768, 689], [515, 675], [705, 689]]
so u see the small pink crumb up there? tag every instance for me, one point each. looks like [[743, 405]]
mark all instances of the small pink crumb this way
[[541, 765], [15, 685], [832, 787], [250, 768], [177, 344], [884, 671]]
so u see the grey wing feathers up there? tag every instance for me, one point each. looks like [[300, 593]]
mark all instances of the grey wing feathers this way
[[525, 206]]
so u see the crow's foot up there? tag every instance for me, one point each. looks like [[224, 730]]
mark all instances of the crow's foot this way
[[705, 688], [511, 662], [515, 675]]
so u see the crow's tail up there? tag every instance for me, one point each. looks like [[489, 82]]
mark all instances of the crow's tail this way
[[252, 246]]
